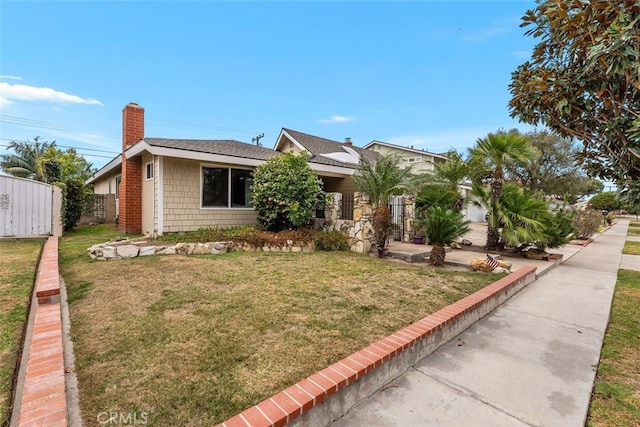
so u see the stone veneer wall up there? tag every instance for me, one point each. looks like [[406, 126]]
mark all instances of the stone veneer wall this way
[[359, 230]]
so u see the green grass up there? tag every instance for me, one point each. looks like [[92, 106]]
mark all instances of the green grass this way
[[631, 248], [634, 228], [18, 264], [616, 395], [194, 340]]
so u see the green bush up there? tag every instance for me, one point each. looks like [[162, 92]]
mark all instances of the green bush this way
[[558, 229], [331, 241], [285, 192], [605, 201], [587, 223]]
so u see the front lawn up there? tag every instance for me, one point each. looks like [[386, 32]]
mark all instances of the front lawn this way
[[631, 248], [616, 393], [634, 229], [194, 340], [18, 265]]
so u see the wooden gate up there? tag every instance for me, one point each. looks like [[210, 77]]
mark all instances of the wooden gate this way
[[26, 207]]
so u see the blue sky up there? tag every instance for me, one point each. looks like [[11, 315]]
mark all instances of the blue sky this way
[[432, 74]]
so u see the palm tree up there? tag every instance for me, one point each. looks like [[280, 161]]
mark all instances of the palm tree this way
[[381, 180], [27, 160], [491, 154], [443, 187], [443, 226]]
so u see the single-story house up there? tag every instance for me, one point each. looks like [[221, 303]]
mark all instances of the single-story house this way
[[169, 185]]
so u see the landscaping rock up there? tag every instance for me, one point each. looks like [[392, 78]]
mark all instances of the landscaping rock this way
[[466, 242], [147, 250], [128, 251], [456, 245]]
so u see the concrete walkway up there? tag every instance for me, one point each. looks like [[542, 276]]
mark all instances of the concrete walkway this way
[[531, 362]]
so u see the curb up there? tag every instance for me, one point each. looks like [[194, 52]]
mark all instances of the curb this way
[[42, 398]]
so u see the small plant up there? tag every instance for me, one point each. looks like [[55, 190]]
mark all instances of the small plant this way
[[331, 241], [443, 226], [587, 223]]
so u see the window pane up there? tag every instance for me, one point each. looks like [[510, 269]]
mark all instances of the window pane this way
[[215, 187], [241, 181]]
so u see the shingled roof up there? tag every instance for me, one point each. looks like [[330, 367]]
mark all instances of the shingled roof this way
[[317, 146], [226, 147]]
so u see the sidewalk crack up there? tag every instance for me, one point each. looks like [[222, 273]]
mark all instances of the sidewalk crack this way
[[467, 392]]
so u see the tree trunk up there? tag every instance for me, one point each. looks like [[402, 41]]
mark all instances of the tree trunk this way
[[381, 226], [493, 232], [438, 255]]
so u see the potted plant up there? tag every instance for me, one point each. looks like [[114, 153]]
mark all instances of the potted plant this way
[[418, 234], [443, 226]]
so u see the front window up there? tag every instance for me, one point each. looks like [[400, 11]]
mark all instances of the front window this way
[[226, 187]]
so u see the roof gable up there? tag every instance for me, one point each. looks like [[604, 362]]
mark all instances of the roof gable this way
[[325, 151]]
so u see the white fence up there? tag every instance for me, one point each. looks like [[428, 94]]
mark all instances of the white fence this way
[[29, 208]]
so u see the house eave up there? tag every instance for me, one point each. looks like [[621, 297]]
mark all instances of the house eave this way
[[106, 169], [143, 146]]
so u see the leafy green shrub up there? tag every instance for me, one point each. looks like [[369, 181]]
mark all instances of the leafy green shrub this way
[[605, 201], [285, 192], [558, 229], [75, 194], [331, 241], [587, 223]]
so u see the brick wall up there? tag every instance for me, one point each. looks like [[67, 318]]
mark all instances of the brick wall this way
[[130, 202]]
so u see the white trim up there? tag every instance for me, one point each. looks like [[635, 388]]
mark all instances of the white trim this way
[[142, 146], [292, 139], [117, 161], [160, 195], [146, 170], [327, 170]]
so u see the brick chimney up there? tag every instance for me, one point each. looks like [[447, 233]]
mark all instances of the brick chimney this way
[[130, 202], [347, 142]]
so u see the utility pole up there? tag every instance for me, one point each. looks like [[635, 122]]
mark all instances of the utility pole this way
[[256, 139]]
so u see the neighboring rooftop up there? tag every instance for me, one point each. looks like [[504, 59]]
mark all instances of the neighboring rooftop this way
[[408, 148], [327, 151]]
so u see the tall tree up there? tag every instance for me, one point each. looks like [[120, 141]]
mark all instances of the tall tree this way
[[381, 180], [27, 159], [442, 187], [553, 171], [583, 80], [492, 154]]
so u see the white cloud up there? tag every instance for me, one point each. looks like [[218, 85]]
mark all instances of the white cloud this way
[[338, 119], [3, 76], [10, 93]]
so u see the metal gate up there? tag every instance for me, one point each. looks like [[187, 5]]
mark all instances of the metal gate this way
[[26, 207], [396, 208]]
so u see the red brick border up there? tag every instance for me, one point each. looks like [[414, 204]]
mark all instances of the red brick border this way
[[298, 399], [44, 401]]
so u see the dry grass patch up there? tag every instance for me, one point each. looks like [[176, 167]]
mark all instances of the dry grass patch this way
[[18, 265], [631, 248], [616, 393], [194, 340]]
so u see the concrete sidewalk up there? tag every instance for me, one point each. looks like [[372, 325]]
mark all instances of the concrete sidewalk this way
[[531, 362]]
